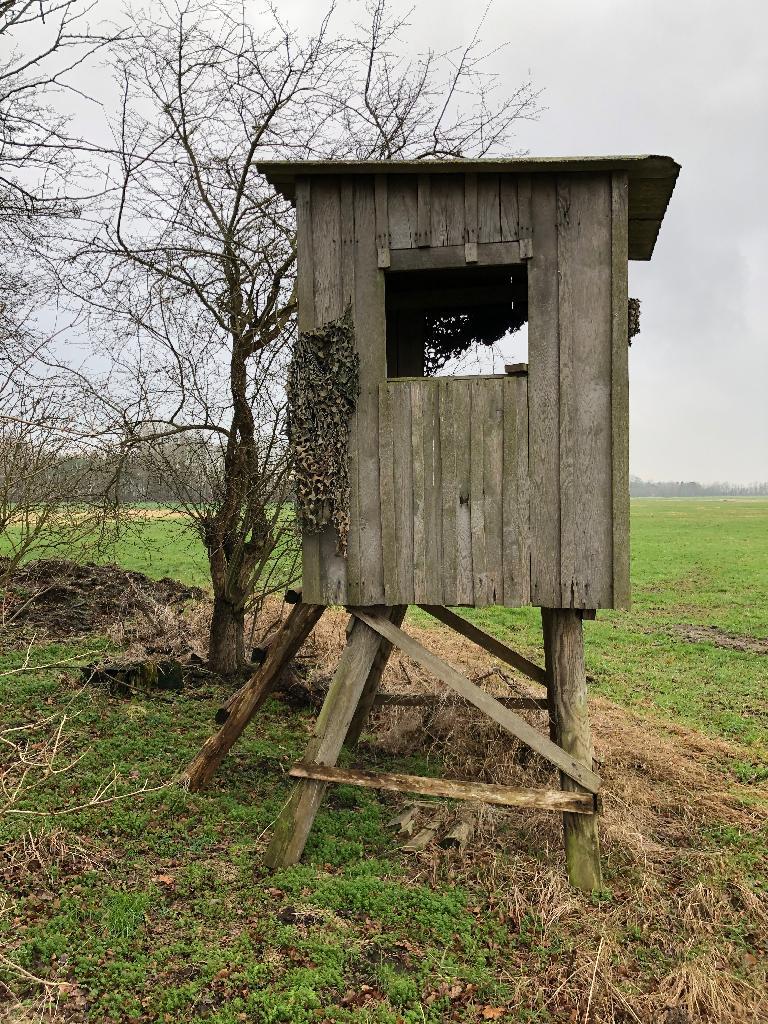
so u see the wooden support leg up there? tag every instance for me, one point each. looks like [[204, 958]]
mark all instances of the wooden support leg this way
[[568, 697], [546, 628], [289, 638], [372, 682], [333, 722]]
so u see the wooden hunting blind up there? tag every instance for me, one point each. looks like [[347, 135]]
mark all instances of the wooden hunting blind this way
[[504, 489]]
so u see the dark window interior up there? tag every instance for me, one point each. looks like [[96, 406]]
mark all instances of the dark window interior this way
[[434, 316]]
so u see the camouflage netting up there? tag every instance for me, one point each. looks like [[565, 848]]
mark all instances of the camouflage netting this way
[[449, 335], [633, 316], [323, 385]]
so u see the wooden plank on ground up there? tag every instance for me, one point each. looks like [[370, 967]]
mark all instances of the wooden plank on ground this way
[[436, 700], [620, 391], [507, 719], [504, 796], [488, 643]]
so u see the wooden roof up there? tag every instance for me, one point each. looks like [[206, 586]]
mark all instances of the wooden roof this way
[[651, 180]]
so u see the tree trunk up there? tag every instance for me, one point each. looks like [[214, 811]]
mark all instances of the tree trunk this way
[[226, 647]]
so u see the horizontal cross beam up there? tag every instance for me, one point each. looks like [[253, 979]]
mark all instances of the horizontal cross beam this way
[[483, 701], [506, 796]]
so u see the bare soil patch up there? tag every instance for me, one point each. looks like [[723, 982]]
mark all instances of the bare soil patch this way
[[722, 638]]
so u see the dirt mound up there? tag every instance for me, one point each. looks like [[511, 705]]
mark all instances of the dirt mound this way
[[68, 599]]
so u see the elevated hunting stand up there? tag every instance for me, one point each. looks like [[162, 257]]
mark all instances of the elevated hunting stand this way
[[508, 489]]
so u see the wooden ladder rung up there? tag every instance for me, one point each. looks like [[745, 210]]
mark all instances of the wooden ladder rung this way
[[507, 796]]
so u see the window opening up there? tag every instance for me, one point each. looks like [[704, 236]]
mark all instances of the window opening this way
[[458, 322]]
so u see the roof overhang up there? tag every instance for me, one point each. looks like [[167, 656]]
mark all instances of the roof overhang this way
[[651, 180]]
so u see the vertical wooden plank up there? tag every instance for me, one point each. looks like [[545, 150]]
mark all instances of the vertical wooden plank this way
[[523, 490], [450, 491], [544, 398], [419, 517], [477, 496], [432, 489], [387, 492], [510, 228], [370, 333], [328, 288], [470, 218], [382, 221], [525, 215], [305, 287], [516, 531], [348, 299], [403, 480], [462, 406], [584, 270], [424, 210], [493, 472], [620, 391], [488, 213], [447, 209], [402, 205]]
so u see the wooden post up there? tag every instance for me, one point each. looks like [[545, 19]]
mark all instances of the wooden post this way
[[287, 641], [371, 687], [568, 699], [546, 628], [295, 821]]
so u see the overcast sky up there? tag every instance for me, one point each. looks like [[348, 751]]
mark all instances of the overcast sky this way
[[687, 78]]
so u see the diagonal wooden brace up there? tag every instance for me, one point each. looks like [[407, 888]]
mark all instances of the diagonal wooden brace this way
[[483, 701]]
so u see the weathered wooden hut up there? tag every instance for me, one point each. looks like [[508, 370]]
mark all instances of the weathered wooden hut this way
[[508, 489]]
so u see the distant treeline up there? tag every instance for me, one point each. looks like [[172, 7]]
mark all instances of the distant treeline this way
[[690, 489]]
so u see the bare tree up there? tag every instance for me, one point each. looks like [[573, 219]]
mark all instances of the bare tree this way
[[191, 276]]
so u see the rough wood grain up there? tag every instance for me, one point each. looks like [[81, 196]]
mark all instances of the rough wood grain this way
[[470, 218], [372, 683], [419, 512], [505, 796], [462, 405], [619, 392], [305, 287], [525, 215], [478, 418], [488, 211], [382, 220], [403, 211], [401, 395], [433, 496], [387, 492], [483, 701], [544, 398], [568, 696], [447, 209], [584, 269], [327, 247], [424, 210], [510, 228], [370, 336], [516, 564], [490, 254], [450, 492], [485, 640], [287, 640], [295, 820], [493, 473]]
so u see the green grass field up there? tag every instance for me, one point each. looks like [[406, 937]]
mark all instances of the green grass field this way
[[156, 907]]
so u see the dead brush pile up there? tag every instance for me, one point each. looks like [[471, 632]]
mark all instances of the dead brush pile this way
[[671, 939]]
